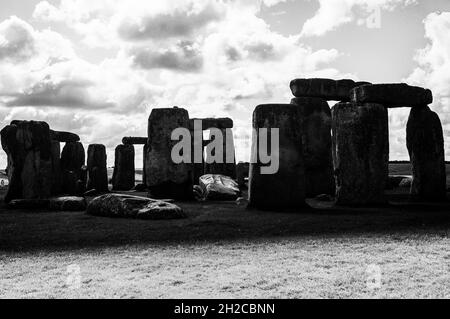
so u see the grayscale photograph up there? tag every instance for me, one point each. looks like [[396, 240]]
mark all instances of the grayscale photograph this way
[[225, 155]]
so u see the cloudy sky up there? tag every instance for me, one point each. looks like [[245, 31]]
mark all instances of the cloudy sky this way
[[97, 68]]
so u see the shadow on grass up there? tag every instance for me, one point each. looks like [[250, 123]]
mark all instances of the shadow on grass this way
[[22, 231]]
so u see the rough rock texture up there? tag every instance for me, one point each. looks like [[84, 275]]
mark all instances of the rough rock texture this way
[[425, 142], [219, 187], [392, 95], [144, 165], [124, 171], [64, 137], [72, 162], [324, 88], [286, 188], [220, 123], [68, 204], [96, 164], [224, 168], [30, 167], [127, 206], [360, 153], [166, 179], [242, 172], [56, 168], [316, 122], [134, 140]]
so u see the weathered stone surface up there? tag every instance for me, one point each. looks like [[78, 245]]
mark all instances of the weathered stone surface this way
[[392, 95], [56, 168], [360, 153], [224, 166], [96, 164], [30, 167], [242, 172], [144, 164], [68, 204], [127, 206], [324, 88], [316, 122], [64, 137], [220, 123], [72, 162], [286, 188], [124, 171], [425, 141], [406, 182], [219, 187], [134, 140], [166, 179], [140, 188]]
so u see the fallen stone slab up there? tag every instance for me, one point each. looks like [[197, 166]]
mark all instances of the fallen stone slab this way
[[128, 206], [219, 187], [68, 203], [392, 95], [328, 89]]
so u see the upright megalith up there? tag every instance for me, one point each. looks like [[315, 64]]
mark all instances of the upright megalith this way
[[392, 95], [30, 167], [316, 123], [277, 139], [57, 178], [73, 159], [96, 165], [328, 89], [425, 141], [360, 153], [167, 178], [124, 171]]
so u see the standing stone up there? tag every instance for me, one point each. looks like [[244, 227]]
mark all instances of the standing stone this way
[[360, 153], [224, 168], [425, 142], [144, 164], [72, 161], [316, 122], [29, 149], [285, 189], [242, 172], [56, 168], [97, 172], [166, 179], [124, 171]]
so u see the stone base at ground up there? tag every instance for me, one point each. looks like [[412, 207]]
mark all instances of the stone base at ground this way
[[219, 187], [360, 153], [127, 206]]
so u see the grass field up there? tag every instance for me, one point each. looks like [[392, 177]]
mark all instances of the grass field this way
[[225, 251]]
